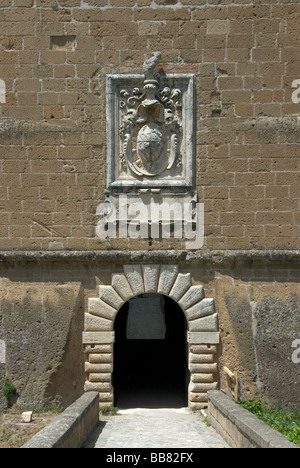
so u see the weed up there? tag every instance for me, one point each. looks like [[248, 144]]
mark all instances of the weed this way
[[206, 422], [8, 388], [47, 409], [6, 437], [109, 410], [286, 422]]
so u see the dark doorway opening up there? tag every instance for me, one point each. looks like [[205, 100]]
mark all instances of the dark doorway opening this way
[[151, 373]]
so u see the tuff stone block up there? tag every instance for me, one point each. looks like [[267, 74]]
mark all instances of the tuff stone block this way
[[101, 309], [182, 284], [168, 274], [192, 296], [111, 297], [134, 276], [122, 286], [92, 323], [151, 277]]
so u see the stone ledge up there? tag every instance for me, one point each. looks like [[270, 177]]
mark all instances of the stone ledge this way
[[239, 427], [72, 427], [226, 257]]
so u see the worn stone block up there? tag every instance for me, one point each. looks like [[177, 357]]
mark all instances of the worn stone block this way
[[204, 349], [151, 277], [182, 284], [203, 337], [100, 377], [27, 416], [194, 295], [209, 324], [101, 349], [196, 387], [201, 309], [122, 286], [197, 405], [134, 276], [100, 358], [101, 309], [201, 358], [98, 337], [101, 368], [93, 323], [109, 295], [198, 397], [106, 399], [199, 368], [168, 275], [205, 378], [99, 386]]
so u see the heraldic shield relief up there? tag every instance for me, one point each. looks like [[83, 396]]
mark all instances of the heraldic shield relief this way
[[150, 128]]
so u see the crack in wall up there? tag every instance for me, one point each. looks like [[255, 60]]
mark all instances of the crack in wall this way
[[50, 231], [258, 382]]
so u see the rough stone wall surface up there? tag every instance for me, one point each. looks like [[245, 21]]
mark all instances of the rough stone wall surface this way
[[55, 56], [41, 327], [258, 321]]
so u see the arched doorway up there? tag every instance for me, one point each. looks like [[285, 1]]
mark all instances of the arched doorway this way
[[150, 354], [201, 338]]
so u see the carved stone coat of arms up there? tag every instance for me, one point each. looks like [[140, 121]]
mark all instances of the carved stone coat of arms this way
[[150, 129]]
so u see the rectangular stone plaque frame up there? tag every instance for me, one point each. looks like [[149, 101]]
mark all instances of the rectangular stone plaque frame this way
[[181, 177]]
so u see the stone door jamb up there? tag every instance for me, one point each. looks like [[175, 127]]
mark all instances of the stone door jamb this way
[[202, 332]]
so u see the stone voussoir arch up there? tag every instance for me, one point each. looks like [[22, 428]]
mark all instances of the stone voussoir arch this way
[[200, 314]]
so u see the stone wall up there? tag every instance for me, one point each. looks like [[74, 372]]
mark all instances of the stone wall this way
[[256, 298], [240, 428], [202, 336], [41, 326], [55, 56], [71, 428]]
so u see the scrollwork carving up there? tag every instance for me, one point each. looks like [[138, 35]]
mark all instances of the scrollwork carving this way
[[151, 126]]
